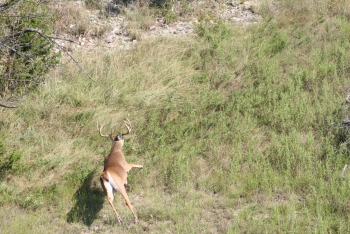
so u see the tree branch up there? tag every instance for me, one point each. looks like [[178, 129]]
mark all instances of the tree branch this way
[[29, 30], [6, 105], [83, 69], [8, 4]]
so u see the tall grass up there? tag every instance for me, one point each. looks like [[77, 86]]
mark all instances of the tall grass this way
[[233, 127]]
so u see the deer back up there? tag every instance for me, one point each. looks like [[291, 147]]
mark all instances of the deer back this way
[[116, 158]]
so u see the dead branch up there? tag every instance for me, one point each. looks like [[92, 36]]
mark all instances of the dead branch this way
[[8, 4], [51, 39]]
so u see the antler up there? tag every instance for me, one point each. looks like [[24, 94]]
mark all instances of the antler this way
[[127, 125], [100, 129]]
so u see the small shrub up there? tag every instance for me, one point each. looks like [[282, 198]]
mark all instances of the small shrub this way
[[11, 163], [32, 201], [171, 17]]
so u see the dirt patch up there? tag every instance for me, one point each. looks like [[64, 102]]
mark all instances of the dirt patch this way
[[113, 31]]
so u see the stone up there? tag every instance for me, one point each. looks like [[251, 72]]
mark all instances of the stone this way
[[109, 39]]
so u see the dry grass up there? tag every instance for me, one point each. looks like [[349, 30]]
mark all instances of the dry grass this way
[[302, 12], [219, 123], [74, 19]]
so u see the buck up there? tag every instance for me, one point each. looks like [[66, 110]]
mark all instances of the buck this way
[[114, 176]]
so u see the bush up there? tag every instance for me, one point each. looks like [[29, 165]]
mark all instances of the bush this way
[[11, 163], [25, 50]]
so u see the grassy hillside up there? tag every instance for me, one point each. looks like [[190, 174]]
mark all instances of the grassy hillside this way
[[235, 129]]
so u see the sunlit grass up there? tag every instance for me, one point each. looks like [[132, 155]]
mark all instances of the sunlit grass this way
[[233, 128]]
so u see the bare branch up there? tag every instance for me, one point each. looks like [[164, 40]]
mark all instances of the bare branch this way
[[6, 106], [28, 30], [51, 39], [82, 68], [9, 46], [8, 4]]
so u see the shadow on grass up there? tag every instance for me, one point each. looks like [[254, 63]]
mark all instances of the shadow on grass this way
[[88, 202]]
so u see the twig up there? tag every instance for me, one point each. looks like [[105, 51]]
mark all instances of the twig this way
[[50, 38], [7, 106], [7, 5], [83, 69]]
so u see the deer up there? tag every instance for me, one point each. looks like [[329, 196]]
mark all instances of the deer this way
[[114, 175]]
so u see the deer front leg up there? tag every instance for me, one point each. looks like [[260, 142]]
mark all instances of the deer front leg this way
[[129, 166]]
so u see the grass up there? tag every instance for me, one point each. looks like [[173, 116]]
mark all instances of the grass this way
[[235, 129]]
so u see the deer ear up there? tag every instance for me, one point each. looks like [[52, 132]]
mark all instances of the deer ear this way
[[111, 137], [119, 137]]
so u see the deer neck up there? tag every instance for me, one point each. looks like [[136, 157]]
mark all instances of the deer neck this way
[[117, 146]]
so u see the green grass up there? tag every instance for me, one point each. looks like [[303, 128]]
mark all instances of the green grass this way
[[234, 129]]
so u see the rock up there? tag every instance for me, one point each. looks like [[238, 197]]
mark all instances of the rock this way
[[123, 31], [247, 6], [109, 39], [233, 4], [114, 29]]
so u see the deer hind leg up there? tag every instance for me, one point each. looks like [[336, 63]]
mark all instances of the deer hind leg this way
[[116, 213], [126, 198], [107, 187]]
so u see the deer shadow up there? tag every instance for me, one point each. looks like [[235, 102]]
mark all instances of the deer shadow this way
[[89, 201]]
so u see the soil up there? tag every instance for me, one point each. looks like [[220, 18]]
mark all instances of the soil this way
[[118, 36]]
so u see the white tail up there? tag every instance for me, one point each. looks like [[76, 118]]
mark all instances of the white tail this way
[[114, 175]]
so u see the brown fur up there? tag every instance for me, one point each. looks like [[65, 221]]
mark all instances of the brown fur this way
[[117, 167]]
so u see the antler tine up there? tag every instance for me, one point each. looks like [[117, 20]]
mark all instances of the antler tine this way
[[100, 130], [127, 124]]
